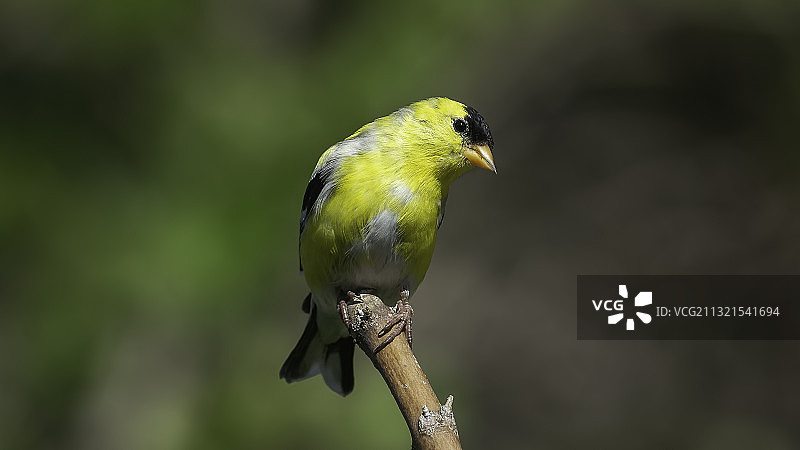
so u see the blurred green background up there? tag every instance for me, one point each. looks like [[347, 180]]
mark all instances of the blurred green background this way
[[155, 154]]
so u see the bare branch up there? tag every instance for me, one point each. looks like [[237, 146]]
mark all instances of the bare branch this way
[[432, 425]]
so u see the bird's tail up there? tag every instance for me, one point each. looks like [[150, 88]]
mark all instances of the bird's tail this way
[[311, 356]]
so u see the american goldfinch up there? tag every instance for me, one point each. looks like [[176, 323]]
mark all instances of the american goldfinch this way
[[369, 220]]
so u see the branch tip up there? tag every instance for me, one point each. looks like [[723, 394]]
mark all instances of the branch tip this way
[[430, 421], [404, 377]]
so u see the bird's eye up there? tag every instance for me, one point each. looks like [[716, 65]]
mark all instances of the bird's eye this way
[[459, 125]]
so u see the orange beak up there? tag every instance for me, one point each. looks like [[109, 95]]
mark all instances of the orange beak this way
[[480, 156]]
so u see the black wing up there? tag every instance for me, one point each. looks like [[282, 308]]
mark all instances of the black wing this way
[[321, 178], [314, 188]]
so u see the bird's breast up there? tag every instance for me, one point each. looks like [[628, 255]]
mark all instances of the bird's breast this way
[[371, 235], [372, 261]]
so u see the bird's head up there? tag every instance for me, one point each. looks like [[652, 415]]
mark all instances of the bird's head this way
[[451, 134]]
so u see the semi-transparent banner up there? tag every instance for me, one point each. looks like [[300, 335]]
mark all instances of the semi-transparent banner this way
[[688, 306]]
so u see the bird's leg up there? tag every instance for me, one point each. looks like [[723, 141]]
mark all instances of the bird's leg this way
[[402, 320], [354, 298]]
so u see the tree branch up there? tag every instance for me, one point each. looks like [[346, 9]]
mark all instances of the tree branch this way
[[432, 425]]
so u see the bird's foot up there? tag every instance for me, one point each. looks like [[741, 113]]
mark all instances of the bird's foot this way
[[354, 298], [401, 321]]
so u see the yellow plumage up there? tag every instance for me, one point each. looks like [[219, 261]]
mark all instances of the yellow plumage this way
[[370, 218]]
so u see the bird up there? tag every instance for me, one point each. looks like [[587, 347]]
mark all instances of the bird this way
[[369, 221]]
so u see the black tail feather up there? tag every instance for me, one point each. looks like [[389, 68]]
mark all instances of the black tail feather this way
[[291, 369], [343, 349], [310, 357]]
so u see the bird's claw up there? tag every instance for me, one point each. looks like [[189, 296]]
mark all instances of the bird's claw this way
[[354, 298], [401, 321]]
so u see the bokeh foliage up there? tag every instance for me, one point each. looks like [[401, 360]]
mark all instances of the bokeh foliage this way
[[154, 155]]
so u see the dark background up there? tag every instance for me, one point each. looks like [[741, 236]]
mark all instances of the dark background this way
[[154, 157]]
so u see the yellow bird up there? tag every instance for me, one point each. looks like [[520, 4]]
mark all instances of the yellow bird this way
[[369, 221]]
